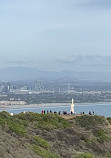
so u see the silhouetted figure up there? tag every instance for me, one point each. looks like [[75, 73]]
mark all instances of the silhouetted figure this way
[[83, 113], [93, 112], [71, 113], [89, 112], [55, 112], [44, 111], [59, 112], [50, 111], [64, 113]]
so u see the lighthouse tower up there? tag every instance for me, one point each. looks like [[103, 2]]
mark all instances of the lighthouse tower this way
[[72, 106]]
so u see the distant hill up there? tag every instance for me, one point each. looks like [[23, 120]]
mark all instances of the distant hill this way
[[25, 73]]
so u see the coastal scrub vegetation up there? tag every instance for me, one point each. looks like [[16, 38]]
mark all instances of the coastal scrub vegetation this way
[[109, 119], [41, 142], [51, 136], [47, 121], [89, 122], [13, 124], [44, 153], [85, 155]]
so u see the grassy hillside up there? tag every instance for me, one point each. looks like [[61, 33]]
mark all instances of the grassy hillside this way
[[33, 135]]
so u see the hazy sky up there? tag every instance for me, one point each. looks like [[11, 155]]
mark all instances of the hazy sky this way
[[56, 34]]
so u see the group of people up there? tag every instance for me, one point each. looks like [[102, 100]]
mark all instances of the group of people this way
[[59, 113], [91, 113], [82, 113], [47, 112], [64, 112]]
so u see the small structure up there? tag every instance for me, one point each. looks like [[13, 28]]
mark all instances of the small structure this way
[[72, 106], [11, 114]]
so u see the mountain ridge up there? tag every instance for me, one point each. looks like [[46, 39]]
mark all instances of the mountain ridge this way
[[27, 73]]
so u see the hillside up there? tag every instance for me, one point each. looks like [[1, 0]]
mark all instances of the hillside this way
[[33, 135]]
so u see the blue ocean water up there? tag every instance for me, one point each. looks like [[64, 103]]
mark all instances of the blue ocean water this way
[[99, 109]]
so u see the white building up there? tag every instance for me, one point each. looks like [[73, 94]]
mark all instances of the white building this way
[[72, 106], [12, 103]]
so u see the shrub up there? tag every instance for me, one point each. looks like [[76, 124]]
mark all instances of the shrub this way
[[109, 119], [17, 128], [84, 155], [52, 121], [12, 123], [41, 142], [44, 153], [89, 122], [102, 136]]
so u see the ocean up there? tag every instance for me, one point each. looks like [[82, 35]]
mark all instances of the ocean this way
[[103, 109]]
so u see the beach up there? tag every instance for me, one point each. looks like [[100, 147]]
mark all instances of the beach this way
[[33, 105], [50, 105]]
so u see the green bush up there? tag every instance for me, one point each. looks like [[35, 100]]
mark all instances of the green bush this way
[[45, 121], [108, 155], [89, 122], [84, 155], [12, 123], [41, 142], [109, 119], [17, 128], [4, 118], [44, 153], [102, 136], [52, 121], [30, 116], [19, 122]]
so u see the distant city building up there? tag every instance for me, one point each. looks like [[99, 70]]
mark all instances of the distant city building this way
[[37, 86], [12, 102]]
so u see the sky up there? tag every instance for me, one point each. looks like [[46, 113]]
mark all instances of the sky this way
[[56, 35]]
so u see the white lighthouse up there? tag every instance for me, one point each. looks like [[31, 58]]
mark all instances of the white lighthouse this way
[[72, 106]]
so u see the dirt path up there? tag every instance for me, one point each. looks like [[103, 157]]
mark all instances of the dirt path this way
[[73, 116], [69, 116]]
